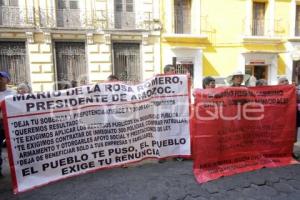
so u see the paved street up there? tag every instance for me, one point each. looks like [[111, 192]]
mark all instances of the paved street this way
[[169, 180]]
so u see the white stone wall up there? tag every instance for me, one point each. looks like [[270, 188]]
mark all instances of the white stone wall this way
[[99, 58], [40, 44], [40, 55]]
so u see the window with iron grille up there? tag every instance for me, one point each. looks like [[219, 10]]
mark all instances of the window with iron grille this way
[[258, 20], [70, 64], [13, 60], [127, 61], [184, 66], [182, 16]]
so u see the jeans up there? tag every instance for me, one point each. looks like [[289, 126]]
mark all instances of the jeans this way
[[2, 137], [1, 142]]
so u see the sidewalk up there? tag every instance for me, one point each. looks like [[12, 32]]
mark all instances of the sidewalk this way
[[169, 180]]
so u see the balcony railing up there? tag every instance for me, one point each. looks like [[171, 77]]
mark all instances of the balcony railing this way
[[131, 21], [13, 16], [63, 18], [258, 27], [102, 20], [263, 28], [125, 21], [181, 23]]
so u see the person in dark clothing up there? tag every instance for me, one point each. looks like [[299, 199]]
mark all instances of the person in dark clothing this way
[[1, 144], [169, 69], [261, 82], [112, 78], [4, 91], [208, 82]]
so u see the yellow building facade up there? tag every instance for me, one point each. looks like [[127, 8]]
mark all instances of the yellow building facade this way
[[56, 44], [216, 38]]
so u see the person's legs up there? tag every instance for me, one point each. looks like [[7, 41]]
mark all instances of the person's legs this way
[[1, 142], [2, 137]]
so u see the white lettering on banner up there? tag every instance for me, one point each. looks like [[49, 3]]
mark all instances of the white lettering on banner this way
[[59, 134]]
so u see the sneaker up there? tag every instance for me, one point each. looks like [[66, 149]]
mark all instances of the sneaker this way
[[162, 161], [296, 156]]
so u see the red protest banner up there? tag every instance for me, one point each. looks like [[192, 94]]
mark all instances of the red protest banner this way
[[242, 129]]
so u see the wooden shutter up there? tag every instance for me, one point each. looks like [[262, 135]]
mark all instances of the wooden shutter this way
[[124, 14], [297, 21], [258, 18], [182, 16]]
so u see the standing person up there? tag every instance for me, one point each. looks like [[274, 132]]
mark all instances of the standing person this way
[[208, 82], [237, 79], [298, 114], [4, 91], [23, 88], [112, 78], [251, 81], [298, 108], [169, 69], [261, 82], [282, 80]]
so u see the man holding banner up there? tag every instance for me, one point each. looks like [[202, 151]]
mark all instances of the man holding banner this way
[[237, 79], [59, 134], [239, 129], [4, 91]]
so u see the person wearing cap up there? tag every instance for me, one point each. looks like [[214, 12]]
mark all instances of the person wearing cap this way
[[237, 79], [4, 91], [208, 82], [283, 80]]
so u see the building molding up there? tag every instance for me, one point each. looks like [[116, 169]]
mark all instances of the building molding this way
[[261, 40], [47, 37], [30, 37], [145, 39], [90, 38], [196, 38], [107, 38], [269, 58]]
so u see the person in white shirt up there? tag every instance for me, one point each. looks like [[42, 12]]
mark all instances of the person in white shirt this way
[[4, 91]]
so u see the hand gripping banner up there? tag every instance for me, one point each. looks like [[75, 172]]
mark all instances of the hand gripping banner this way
[[239, 129], [59, 134]]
